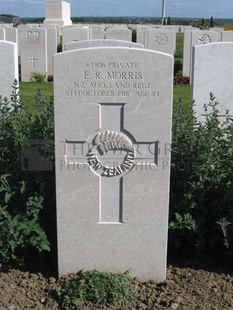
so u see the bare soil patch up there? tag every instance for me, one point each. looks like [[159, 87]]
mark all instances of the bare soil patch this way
[[188, 288]]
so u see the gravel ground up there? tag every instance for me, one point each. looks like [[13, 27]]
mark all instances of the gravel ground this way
[[188, 288]]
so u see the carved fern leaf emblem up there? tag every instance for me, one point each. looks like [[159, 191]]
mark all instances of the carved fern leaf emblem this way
[[112, 140]]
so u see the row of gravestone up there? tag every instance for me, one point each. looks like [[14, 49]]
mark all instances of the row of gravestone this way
[[36, 46], [113, 116], [216, 77]]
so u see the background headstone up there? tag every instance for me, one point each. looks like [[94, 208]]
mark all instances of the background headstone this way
[[201, 38], [191, 38], [51, 48], [186, 52], [8, 67], [96, 32], [119, 34], [11, 34], [161, 40], [213, 73], [74, 34], [227, 36], [33, 46], [112, 207], [2, 34], [141, 33], [100, 43]]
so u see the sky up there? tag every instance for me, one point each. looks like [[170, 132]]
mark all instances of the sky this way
[[143, 8]]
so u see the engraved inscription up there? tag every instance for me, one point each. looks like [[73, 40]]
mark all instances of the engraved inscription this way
[[32, 37], [204, 39], [105, 142], [161, 39], [112, 79]]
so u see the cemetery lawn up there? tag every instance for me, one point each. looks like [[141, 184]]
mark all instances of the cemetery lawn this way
[[29, 90], [188, 287]]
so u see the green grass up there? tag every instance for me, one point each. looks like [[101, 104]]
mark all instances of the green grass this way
[[179, 41], [28, 92], [179, 46], [183, 93]]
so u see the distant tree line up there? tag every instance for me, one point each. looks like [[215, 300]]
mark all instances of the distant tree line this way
[[196, 22]]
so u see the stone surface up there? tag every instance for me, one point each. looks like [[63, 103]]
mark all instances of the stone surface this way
[[96, 32], [33, 47], [161, 40], [227, 36], [8, 67], [57, 13], [119, 34], [141, 33], [100, 43], [2, 34], [74, 34], [113, 129], [213, 72], [219, 31], [199, 37], [11, 34], [51, 48], [186, 52]]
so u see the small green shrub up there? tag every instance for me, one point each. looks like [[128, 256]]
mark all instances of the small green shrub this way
[[25, 194], [19, 222], [50, 78], [59, 48], [38, 77], [201, 210], [178, 65], [97, 287]]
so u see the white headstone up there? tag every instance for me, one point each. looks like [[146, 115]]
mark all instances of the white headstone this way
[[119, 34], [227, 36], [199, 37], [21, 35], [57, 13], [100, 43], [213, 73], [141, 33], [10, 34], [219, 31], [33, 45], [186, 52], [161, 40], [74, 34], [2, 34], [8, 67], [96, 32], [51, 48], [112, 115]]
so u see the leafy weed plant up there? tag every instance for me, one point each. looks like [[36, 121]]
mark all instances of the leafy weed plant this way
[[98, 288], [38, 77], [24, 192], [19, 227], [201, 210]]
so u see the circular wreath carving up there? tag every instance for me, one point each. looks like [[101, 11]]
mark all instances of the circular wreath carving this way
[[105, 142], [161, 39]]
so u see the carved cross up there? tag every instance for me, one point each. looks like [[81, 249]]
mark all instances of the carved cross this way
[[33, 60], [111, 153]]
